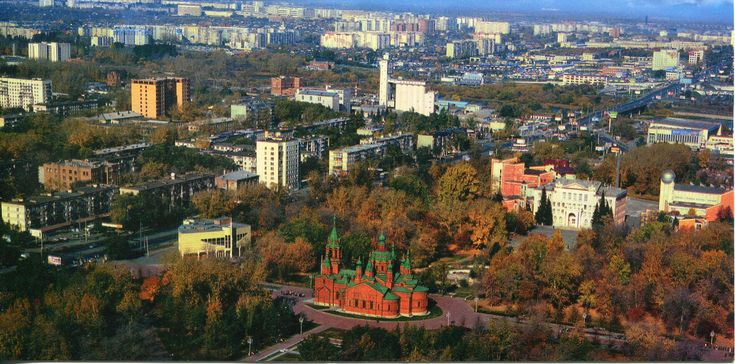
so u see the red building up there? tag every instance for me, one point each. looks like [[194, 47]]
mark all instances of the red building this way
[[285, 86], [377, 290]]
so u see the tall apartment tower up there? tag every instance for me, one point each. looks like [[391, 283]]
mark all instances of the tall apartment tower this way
[[384, 85], [155, 96], [278, 162], [54, 52]]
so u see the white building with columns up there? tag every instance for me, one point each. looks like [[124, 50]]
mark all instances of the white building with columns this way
[[573, 202]]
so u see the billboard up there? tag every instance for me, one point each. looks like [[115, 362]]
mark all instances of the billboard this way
[[54, 260]]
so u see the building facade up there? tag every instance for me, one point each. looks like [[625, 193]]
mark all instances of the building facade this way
[[233, 181], [154, 97], [327, 99], [62, 175], [285, 86], [42, 214], [53, 52], [277, 161], [688, 200], [665, 58], [573, 202], [404, 95], [375, 290], [692, 133], [177, 190], [24, 93], [217, 238]]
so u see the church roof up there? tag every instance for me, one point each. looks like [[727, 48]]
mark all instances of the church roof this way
[[333, 240]]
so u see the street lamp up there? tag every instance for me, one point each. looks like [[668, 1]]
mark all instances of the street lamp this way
[[250, 345], [584, 319], [711, 337], [449, 316], [301, 325], [476, 300]]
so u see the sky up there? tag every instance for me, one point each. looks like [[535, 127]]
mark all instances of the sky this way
[[716, 11]]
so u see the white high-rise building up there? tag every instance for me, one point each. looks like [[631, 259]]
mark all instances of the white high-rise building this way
[[665, 58], [45, 3], [24, 93], [404, 95], [54, 52], [496, 27], [384, 78], [278, 162]]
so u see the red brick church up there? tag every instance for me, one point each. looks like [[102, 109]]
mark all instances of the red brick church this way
[[376, 290]]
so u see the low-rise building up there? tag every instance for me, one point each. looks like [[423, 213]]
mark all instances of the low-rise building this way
[[233, 181], [42, 214], [692, 133], [177, 190], [327, 99], [10, 121], [62, 175], [573, 202], [217, 238], [342, 160], [692, 200], [285, 86]]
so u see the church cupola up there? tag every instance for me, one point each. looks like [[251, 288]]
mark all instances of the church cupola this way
[[369, 269], [333, 248], [389, 276], [358, 271]]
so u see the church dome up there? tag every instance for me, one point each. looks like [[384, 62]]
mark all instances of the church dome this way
[[668, 176]]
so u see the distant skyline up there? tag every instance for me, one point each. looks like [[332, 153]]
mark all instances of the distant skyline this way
[[712, 11]]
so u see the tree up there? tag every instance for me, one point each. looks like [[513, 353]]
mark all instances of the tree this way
[[318, 348], [487, 221], [543, 213]]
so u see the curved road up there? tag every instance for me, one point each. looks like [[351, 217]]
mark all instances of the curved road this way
[[455, 311]]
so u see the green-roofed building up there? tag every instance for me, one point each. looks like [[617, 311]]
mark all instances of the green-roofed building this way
[[376, 290]]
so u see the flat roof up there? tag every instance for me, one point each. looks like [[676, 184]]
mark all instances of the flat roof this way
[[687, 123], [238, 175], [700, 189]]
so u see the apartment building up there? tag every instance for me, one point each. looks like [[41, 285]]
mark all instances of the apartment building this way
[[42, 214], [177, 190], [216, 238], [342, 160], [277, 161], [233, 181], [62, 175], [154, 97], [327, 99], [53, 52], [24, 93], [665, 58]]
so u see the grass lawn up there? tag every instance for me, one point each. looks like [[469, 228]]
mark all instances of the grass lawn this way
[[317, 307], [332, 333], [434, 311]]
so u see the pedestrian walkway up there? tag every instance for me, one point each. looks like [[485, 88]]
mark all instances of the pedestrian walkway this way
[[292, 341]]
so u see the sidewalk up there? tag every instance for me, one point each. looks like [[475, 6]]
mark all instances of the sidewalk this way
[[292, 341]]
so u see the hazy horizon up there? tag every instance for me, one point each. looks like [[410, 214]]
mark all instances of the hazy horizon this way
[[712, 11]]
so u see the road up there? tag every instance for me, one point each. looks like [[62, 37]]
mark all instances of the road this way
[[455, 311]]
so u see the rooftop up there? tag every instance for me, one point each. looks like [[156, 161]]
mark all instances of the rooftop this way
[[687, 123], [700, 189], [206, 225], [238, 175]]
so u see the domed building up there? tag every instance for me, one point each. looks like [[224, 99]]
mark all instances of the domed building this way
[[376, 289], [693, 200]]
